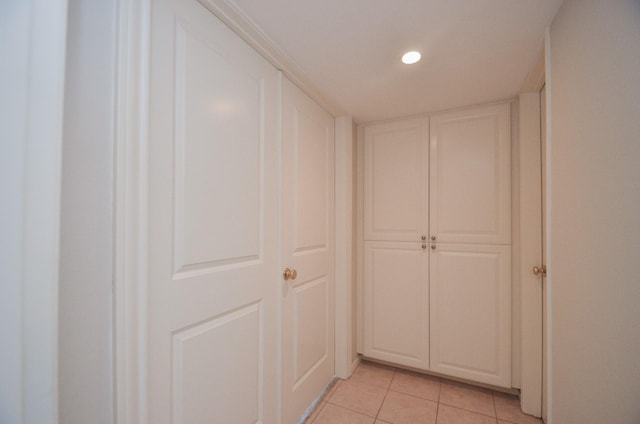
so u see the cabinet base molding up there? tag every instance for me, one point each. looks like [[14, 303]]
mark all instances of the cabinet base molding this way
[[510, 391]]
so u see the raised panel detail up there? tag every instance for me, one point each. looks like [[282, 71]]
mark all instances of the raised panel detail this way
[[471, 312], [471, 171], [311, 144], [310, 327], [396, 301], [217, 368], [218, 160], [396, 180]]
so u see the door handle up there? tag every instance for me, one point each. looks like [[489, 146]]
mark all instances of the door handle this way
[[289, 274], [540, 270]]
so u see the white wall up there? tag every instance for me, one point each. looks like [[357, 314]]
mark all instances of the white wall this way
[[32, 48], [85, 302], [595, 212]]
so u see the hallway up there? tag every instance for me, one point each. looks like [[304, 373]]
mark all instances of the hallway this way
[[206, 219], [380, 394]]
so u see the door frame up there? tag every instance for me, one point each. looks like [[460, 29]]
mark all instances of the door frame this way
[[346, 359], [130, 211], [530, 238]]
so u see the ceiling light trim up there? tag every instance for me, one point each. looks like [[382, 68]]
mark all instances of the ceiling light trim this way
[[411, 57]]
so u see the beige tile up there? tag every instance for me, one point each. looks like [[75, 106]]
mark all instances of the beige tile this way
[[508, 408], [424, 386], [467, 397], [333, 414], [509, 422], [359, 397], [450, 415], [332, 389], [399, 408], [504, 422], [315, 412], [374, 374]]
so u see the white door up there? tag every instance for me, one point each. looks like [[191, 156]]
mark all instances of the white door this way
[[307, 164], [470, 281], [212, 223], [396, 180], [396, 302], [470, 179], [471, 312]]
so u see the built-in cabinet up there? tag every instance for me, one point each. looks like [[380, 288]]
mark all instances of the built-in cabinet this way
[[436, 286], [396, 267]]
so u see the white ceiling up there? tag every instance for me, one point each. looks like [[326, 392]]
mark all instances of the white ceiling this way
[[473, 51]]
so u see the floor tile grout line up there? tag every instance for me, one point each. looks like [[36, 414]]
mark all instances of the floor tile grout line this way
[[319, 411], [468, 410], [385, 396], [388, 388], [439, 393], [413, 396], [354, 410]]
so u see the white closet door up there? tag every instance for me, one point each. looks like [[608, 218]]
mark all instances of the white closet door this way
[[471, 312], [396, 175], [308, 248], [471, 176], [212, 283], [396, 303]]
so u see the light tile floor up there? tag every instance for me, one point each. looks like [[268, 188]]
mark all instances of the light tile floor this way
[[377, 394]]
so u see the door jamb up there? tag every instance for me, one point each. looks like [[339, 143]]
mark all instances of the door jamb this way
[[130, 211], [344, 247], [530, 231]]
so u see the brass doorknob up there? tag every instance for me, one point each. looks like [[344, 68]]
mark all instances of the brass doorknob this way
[[540, 270], [289, 274]]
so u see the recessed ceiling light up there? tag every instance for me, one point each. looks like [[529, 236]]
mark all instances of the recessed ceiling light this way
[[410, 57]]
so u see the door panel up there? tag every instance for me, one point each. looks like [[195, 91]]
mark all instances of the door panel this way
[[207, 89], [202, 369], [396, 160], [311, 179], [307, 247], [470, 301], [471, 176], [310, 332], [212, 223], [396, 303]]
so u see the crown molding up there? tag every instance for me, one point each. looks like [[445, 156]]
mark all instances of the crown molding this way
[[242, 24], [536, 76]]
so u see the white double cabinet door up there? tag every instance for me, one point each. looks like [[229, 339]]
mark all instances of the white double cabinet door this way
[[437, 243]]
